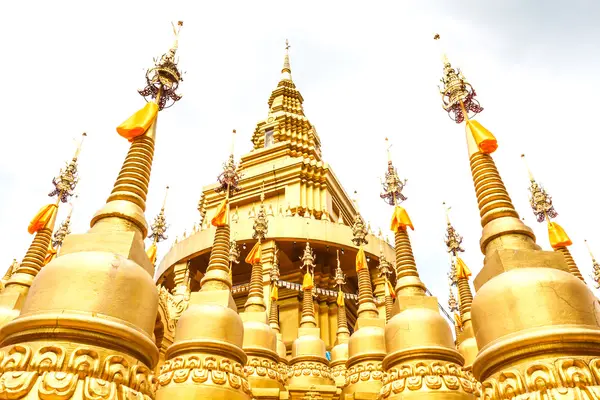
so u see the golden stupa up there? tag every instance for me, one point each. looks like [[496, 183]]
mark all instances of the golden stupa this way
[[282, 291]]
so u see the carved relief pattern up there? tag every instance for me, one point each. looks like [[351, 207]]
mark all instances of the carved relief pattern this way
[[200, 370], [427, 375], [563, 378], [363, 372], [309, 368], [262, 367], [338, 370], [283, 372], [55, 371]]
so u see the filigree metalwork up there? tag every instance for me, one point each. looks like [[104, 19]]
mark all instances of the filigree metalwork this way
[[159, 227], [163, 79], [359, 231], [453, 241], [452, 277], [61, 233], [65, 182], [541, 202], [229, 179], [261, 224], [308, 259], [458, 96], [392, 186], [234, 252], [452, 303], [384, 267]]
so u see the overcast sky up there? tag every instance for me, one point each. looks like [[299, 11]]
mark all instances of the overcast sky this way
[[367, 70]]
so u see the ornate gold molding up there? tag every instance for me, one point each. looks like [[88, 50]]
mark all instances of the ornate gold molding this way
[[58, 370], [427, 375], [262, 367], [364, 372], [309, 368], [198, 369]]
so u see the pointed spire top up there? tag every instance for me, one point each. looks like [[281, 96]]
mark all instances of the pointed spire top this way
[[392, 184], [78, 150], [589, 250], [287, 69], [159, 225], [340, 277], [261, 223], [274, 273], [165, 199]]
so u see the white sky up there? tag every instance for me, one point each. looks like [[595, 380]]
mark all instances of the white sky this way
[[365, 73]]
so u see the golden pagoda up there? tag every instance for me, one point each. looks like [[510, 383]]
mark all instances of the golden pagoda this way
[[320, 308], [536, 324]]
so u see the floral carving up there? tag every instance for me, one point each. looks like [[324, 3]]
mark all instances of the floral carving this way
[[263, 367], [363, 372], [309, 368]]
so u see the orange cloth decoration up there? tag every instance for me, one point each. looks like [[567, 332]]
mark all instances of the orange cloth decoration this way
[[50, 255], [389, 289], [255, 255], [557, 235], [307, 282], [458, 321], [138, 123], [400, 220], [221, 218], [462, 271], [43, 219], [340, 299], [361, 259], [486, 142], [274, 292], [151, 252]]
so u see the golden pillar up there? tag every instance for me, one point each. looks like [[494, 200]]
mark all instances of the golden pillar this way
[[339, 352], [206, 360], [86, 327], [309, 369], [260, 340], [422, 361], [536, 324], [366, 347]]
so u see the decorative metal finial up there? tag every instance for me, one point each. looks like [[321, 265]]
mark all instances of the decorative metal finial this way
[[67, 179], [359, 231], [234, 252], [384, 267], [595, 267], [308, 259], [64, 229], [392, 185], [287, 45], [539, 199], [261, 224], [452, 277], [452, 303], [274, 273], [229, 179], [163, 79], [340, 277], [453, 239], [458, 96], [159, 225]]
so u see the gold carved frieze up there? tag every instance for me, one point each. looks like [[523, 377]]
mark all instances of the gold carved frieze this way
[[200, 369], [427, 376], [563, 378], [309, 368], [56, 371], [338, 370], [262, 367], [363, 372]]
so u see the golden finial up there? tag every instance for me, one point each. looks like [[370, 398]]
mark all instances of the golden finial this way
[[308, 259], [595, 266], [261, 223], [67, 179], [64, 229], [392, 184], [359, 231], [159, 225], [229, 179], [539, 199], [286, 61], [234, 252], [274, 273], [162, 80], [453, 239]]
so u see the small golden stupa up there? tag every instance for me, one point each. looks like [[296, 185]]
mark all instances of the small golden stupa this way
[[321, 308]]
